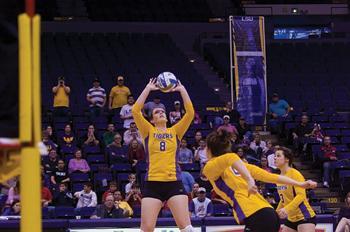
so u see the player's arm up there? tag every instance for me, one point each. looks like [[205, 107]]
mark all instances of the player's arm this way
[[142, 124], [214, 169], [186, 120], [66, 89], [262, 175]]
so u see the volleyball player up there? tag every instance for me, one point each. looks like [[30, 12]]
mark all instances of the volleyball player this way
[[293, 204], [163, 178], [251, 209]]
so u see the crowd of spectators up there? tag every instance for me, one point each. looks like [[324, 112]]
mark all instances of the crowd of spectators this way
[[69, 152]]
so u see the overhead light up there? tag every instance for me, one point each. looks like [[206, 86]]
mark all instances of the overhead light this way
[[216, 89], [192, 60], [294, 10]]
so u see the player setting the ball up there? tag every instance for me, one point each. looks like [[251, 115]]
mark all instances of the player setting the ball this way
[[163, 179]]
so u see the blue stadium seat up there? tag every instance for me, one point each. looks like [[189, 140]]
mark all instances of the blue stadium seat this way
[[64, 212], [86, 212], [79, 177]]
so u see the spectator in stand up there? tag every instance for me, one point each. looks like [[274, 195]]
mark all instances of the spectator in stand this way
[[132, 180], [60, 175], [46, 196], [149, 106], [78, 164], [278, 110], [235, 142], [244, 130], [230, 110], [108, 136], [96, 97], [50, 164], [131, 134], [67, 141], [51, 133], [203, 181], [134, 196], [197, 138], [90, 139], [63, 197], [14, 210], [49, 144], [301, 134], [201, 206], [278, 107], [242, 154], [344, 216], [117, 152], [185, 155], [118, 97], [227, 126], [201, 153], [187, 180], [269, 153], [329, 159], [176, 114], [45, 177], [13, 194], [136, 153], [197, 118], [125, 112], [122, 204], [257, 145], [264, 164], [110, 191], [61, 98], [107, 210], [86, 197], [194, 192], [317, 133]]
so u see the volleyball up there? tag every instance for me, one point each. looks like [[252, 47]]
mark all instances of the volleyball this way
[[166, 81]]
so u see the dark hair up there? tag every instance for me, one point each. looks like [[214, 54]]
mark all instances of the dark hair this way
[[14, 202], [88, 184], [218, 142], [63, 183], [346, 199], [113, 183], [287, 154], [130, 95]]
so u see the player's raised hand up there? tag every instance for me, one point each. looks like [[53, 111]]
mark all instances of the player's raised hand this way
[[178, 87], [152, 84]]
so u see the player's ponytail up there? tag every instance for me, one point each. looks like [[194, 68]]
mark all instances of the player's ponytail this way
[[218, 142]]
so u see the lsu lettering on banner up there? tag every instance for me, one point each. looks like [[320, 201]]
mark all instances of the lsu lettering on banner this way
[[248, 44]]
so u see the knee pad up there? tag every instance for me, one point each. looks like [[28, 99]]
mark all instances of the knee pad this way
[[188, 228]]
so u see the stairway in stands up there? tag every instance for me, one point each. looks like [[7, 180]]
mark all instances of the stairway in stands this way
[[330, 196], [202, 67]]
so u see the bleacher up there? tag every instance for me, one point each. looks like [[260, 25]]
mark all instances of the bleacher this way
[[149, 10]]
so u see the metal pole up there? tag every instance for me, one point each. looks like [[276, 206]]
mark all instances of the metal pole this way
[[231, 59]]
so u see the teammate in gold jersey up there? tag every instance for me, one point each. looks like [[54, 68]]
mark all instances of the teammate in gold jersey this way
[[293, 204], [251, 209], [163, 178]]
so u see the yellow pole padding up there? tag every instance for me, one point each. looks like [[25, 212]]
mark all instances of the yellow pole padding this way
[[25, 79], [36, 79], [30, 188]]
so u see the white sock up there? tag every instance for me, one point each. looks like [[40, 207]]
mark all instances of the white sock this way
[[188, 228]]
